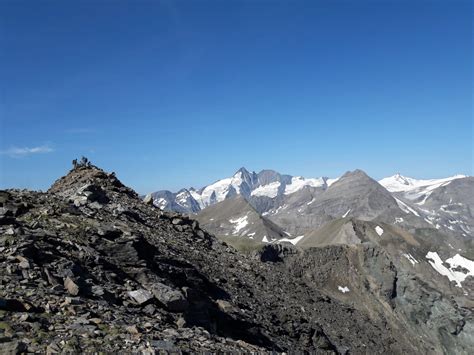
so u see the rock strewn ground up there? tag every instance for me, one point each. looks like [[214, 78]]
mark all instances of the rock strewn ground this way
[[88, 266]]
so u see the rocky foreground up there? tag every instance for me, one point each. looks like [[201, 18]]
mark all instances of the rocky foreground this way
[[88, 266]]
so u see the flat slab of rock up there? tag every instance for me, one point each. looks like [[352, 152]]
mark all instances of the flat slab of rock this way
[[140, 296], [71, 286]]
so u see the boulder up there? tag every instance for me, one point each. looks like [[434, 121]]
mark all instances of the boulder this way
[[172, 299], [71, 286], [88, 194], [148, 200], [140, 296]]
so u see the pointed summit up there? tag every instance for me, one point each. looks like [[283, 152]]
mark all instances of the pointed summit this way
[[243, 171], [88, 176], [244, 181], [357, 173]]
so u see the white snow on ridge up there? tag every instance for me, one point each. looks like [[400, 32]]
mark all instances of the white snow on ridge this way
[[298, 182], [397, 183], [182, 198], [415, 189], [293, 241], [197, 197], [240, 223], [411, 259], [454, 262], [405, 208], [220, 189], [329, 182], [460, 261], [379, 230], [345, 214], [269, 190], [161, 203]]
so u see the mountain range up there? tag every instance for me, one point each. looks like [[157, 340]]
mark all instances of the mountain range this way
[[300, 205], [425, 227], [90, 266]]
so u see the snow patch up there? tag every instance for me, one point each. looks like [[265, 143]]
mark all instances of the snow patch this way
[[239, 223], [265, 240], [427, 220], [411, 258], [273, 212], [345, 214], [269, 190], [379, 230], [343, 289], [451, 273], [405, 208], [298, 182], [161, 203], [293, 241], [310, 202]]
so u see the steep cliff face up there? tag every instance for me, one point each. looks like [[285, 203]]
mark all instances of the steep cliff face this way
[[375, 281]]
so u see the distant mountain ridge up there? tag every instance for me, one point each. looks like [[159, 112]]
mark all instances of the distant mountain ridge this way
[[299, 205], [267, 183]]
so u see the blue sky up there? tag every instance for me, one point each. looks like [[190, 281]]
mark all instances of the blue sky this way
[[180, 93]]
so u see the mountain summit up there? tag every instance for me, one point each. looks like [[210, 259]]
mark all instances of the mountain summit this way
[[299, 205], [266, 184]]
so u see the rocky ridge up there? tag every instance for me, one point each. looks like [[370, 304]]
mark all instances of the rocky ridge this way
[[88, 266]]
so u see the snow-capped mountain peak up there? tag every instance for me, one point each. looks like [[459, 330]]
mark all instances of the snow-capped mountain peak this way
[[265, 184], [398, 183]]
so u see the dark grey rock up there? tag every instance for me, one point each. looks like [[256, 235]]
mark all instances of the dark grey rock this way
[[172, 299], [140, 296], [11, 347]]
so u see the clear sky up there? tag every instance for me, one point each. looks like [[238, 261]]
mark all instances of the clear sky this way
[[170, 94]]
